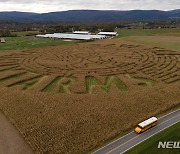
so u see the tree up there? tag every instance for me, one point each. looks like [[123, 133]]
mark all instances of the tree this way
[[109, 28], [6, 33]]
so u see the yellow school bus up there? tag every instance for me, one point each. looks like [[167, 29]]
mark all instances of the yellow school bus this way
[[145, 125]]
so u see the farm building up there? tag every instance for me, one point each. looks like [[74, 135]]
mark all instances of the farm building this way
[[108, 33], [42, 36], [72, 36], [3, 40], [82, 32]]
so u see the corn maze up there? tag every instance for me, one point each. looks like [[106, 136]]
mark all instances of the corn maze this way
[[74, 98], [85, 68]]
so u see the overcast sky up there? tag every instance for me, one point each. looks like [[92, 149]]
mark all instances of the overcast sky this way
[[42, 6]]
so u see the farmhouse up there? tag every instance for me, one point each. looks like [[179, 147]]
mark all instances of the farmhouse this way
[[82, 32], [108, 33], [3, 40]]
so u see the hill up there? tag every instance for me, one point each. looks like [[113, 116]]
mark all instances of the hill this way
[[91, 16], [17, 16]]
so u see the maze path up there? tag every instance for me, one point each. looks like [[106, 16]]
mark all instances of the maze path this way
[[22, 80], [42, 83], [45, 65]]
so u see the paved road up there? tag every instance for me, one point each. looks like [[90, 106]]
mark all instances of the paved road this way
[[132, 139], [11, 142]]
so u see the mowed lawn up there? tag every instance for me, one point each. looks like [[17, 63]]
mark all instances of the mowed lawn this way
[[150, 146], [28, 42], [165, 38]]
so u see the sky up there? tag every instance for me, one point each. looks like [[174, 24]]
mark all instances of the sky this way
[[43, 6]]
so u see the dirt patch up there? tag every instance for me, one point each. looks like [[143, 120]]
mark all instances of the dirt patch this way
[[10, 139]]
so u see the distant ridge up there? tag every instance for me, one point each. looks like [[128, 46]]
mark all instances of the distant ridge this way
[[91, 16]]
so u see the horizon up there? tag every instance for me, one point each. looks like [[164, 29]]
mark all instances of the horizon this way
[[44, 6], [89, 10]]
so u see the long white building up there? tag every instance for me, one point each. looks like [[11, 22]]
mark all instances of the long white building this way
[[82, 32], [72, 36], [108, 33]]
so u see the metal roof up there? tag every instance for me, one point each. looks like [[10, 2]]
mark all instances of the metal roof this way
[[72, 36], [81, 32], [147, 122], [107, 33], [41, 36]]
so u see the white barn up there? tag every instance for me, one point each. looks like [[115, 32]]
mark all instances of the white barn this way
[[82, 32], [108, 33], [72, 36]]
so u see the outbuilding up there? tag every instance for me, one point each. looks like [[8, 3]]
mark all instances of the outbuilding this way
[[82, 32], [3, 40], [72, 36], [108, 33]]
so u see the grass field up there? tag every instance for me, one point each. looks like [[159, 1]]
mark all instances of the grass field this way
[[26, 33], [150, 146], [28, 42], [165, 38], [149, 32]]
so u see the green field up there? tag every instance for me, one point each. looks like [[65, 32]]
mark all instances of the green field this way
[[28, 42], [92, 83], [148, 32], [26, 33], [150, 146], [165, 38]]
